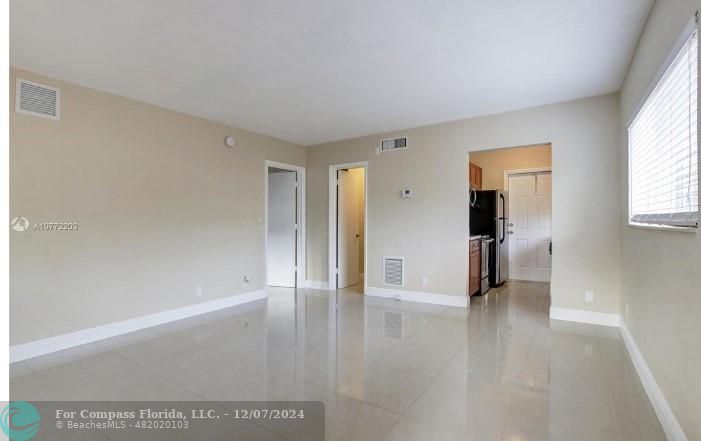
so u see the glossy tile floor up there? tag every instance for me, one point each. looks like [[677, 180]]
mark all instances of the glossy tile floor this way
[[386, 370]]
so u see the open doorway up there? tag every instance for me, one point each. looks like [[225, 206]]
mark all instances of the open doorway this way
[[284, 231], [347, 226], [510, 203]]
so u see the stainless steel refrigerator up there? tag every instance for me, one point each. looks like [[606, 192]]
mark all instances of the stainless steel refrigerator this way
[[489, 215]]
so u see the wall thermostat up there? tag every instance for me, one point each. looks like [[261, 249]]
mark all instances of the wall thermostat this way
[[407, 193]]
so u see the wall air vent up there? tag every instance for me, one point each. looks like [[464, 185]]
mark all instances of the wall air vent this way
[[390, 145], [393, 271], [37, 99]]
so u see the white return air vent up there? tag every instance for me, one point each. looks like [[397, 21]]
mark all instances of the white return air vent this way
[[390, 145], [37, 99], [393, 271]]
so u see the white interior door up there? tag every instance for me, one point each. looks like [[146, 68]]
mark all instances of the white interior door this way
[[348, 230], [282, 228], [530, 219]]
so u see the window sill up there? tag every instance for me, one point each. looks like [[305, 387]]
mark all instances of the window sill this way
[[662, 227]]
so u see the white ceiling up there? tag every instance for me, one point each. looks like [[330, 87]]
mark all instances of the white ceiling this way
[[312, 71]]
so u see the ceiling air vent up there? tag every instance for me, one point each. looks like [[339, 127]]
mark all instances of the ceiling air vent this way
[[390, 145], [393, 271], [37, 99]]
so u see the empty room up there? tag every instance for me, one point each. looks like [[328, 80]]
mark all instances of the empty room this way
[[357, 221]]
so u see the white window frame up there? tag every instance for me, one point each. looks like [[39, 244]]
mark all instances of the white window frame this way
[[691, 27]]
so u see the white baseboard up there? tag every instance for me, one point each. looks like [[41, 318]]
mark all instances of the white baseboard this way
[[669, 422], [671, 426], [418, 296], [316, 284], [53, 344], [582, 316]]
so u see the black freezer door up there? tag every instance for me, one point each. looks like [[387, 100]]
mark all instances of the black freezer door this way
[[483, 213]]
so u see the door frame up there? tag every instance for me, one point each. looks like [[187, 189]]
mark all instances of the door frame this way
[[301, 221], [333, 202], [527, 171]]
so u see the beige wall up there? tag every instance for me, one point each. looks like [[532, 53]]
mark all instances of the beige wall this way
[[429, 230], [661, 271], [163, 207], [495, 162]]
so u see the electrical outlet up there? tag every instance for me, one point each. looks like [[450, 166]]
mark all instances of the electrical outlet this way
[[589, 296], [589, 350], [424, 281], [246, 280], [198, 291]]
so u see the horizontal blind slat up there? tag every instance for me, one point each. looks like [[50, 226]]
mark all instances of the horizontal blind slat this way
[[663, 146]]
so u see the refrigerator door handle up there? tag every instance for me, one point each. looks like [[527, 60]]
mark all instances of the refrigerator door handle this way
[[473, 198], [502, 217]]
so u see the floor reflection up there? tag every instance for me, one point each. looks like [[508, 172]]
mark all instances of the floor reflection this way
[[385, 369]]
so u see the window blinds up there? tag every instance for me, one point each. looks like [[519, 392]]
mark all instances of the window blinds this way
[[664, 149]]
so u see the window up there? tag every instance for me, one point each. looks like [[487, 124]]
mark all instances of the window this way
[[663, 147]]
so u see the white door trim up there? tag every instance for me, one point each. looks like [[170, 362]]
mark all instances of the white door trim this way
[[523, 171], [332, 222], [301, 221]]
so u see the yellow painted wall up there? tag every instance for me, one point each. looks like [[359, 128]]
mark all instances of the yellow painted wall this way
[[495, 162]]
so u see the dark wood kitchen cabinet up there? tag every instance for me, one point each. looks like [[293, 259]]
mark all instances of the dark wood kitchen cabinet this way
[[475, 173], [473, 267]]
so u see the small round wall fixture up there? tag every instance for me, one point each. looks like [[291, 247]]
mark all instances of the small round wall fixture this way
[[229, 141]]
